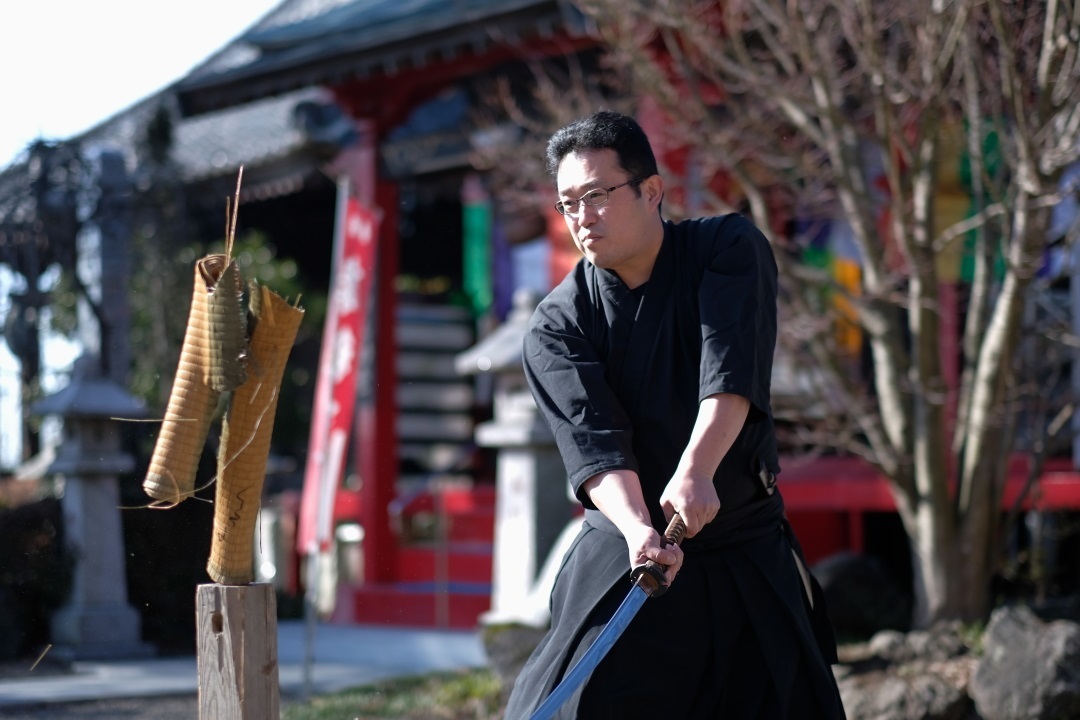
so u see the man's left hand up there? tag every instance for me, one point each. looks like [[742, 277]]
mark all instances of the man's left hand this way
[[692, 496]]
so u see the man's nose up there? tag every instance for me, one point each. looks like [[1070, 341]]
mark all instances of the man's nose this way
[[586, 214]]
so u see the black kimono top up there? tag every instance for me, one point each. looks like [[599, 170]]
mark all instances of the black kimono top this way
[[618, 374]]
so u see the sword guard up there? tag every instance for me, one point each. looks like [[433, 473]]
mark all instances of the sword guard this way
[[650, 578]]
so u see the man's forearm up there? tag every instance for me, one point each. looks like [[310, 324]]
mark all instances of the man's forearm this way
[[719, 421], [691, 491], [617, 494]]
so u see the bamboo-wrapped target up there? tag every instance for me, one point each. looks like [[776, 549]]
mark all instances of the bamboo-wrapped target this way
[[245, 438], [192, 402], [225, 367]]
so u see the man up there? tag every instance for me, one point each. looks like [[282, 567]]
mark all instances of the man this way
[[651, 363]]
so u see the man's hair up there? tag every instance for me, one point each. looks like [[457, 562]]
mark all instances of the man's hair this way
[[605, 130]]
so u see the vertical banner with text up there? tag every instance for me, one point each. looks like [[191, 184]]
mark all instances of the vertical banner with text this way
[[355, 239]]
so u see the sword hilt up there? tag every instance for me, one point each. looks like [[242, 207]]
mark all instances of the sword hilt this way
[[650, 576]]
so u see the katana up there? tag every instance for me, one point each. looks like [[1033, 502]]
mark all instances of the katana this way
[[648, 581]]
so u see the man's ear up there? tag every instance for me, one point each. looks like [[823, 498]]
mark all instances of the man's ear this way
[[653, 189]]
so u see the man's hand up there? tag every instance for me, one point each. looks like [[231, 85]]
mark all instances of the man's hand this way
[[643, 543], [694, 497], [617, 493]]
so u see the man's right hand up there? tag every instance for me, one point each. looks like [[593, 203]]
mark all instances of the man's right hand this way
[[617, 494], [643, 543]]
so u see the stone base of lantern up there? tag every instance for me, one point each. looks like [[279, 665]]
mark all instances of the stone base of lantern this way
[[98, 632]]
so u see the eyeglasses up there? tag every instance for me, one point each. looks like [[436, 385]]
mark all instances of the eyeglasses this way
[[593, 198]]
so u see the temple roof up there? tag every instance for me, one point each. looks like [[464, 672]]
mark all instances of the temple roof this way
[[366, 38]]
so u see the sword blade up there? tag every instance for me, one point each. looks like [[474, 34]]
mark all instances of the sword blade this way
[[592, 657], [648, 581]]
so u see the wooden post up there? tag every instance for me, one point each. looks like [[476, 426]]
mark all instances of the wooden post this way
[[237, 651]]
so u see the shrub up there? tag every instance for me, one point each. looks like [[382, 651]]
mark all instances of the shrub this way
[[35, 575]]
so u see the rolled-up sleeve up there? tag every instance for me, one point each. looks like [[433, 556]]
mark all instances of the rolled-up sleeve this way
[[567, 378], [737, 301]]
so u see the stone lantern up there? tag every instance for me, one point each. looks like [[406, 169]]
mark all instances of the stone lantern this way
[[96, 622], [532, 502]]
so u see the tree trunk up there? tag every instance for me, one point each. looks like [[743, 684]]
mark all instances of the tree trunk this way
[[934, 563]]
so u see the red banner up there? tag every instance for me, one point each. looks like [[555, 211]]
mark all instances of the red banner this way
[[339, 366]]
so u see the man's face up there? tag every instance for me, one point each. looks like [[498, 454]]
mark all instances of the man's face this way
[[622, 235]]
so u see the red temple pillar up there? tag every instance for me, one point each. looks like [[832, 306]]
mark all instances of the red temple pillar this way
[[377, 416]]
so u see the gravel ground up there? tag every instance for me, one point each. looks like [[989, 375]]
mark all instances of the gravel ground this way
[[158, 708], [184, 707]]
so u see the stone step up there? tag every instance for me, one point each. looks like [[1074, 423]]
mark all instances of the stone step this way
[[420, 395], [440, 337], [426, 366], [436, 427]]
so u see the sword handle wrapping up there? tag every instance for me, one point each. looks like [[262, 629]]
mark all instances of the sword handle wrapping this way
[[676, 530], [650, 576]]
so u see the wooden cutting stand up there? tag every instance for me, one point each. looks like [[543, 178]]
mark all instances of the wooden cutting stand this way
[[238, 653]]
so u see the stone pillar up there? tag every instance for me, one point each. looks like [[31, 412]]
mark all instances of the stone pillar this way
[[105, 265], [532, 505], [532, 502], [96, 621]]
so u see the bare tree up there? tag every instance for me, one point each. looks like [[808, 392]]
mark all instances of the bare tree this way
[[846, 110]]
